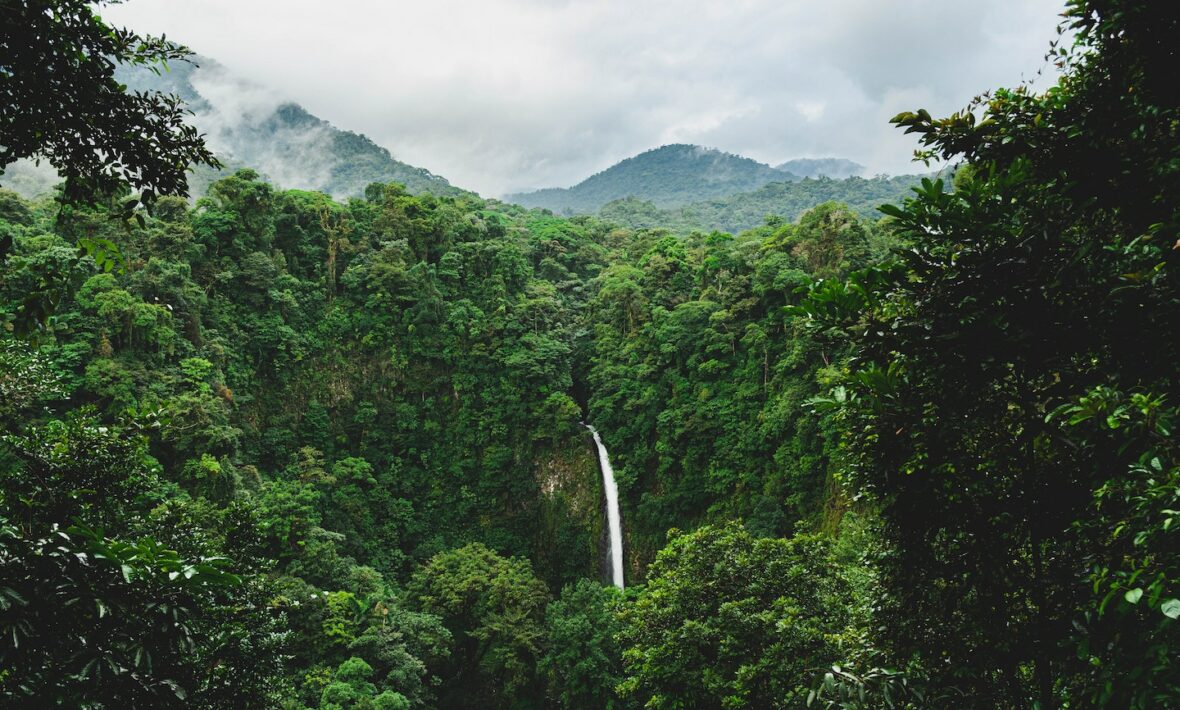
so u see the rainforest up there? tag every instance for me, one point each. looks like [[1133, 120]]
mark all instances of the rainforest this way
[[895, 442]]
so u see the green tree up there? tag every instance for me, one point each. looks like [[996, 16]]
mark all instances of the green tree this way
[[59, 100], [830, 240], [583, 663], [1013, 380], [729, 620], [402, 649], [96, 616], [495, 608], [351, 689]]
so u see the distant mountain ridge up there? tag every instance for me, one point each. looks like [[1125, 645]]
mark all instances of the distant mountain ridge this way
[[667, 176], [681, 174], [251, 126]]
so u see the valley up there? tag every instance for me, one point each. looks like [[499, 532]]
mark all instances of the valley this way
[[287, 422]]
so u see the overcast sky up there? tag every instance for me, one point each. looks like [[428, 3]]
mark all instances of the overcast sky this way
[[504, 95]]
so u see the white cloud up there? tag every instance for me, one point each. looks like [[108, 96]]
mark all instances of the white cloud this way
[[811, 111], [500, 95]]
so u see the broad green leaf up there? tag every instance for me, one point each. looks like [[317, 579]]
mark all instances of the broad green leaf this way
[[1171, 608]]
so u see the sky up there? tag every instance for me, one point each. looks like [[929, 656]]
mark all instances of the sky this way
[[506, 95]]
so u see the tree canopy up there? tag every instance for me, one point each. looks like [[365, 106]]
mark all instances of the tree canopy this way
[[1009, 406], [302, 453]]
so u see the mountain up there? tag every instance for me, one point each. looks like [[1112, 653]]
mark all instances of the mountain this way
[[668, 176], [251, 126], [742, 211], [836, 168]]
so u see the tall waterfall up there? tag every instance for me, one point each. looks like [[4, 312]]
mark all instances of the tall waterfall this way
[[612, 510]]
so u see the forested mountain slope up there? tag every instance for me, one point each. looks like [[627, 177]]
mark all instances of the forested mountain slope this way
[[687, 188], [667, 176], [350, 396], [251, 126], [783, 200]]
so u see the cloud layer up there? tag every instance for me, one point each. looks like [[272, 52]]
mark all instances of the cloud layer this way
[[506, 95]]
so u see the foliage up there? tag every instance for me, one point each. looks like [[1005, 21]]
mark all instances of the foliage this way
[[74, 469], [350, 689], [93, 618], [583, 663], [1008, 408], [58, 84], [494, 606], [738, 211], [728, 620], [842, 689], [98, 622], [26, 377]]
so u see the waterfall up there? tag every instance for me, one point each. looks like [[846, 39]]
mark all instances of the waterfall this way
[[612, 510]]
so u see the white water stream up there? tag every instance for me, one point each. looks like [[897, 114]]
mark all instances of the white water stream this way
[[612, 510]]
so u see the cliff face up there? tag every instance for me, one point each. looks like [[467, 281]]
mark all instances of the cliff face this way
[[571, 541]]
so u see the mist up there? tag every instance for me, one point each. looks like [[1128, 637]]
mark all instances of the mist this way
[[510, 95]]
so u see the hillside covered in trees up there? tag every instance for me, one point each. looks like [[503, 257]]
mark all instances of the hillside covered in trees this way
[[275, 449], [667, 176], [348, 397], [686, 188], [248, 126], [747, 210]]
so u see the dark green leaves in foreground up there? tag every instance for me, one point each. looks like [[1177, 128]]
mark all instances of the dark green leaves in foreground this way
[[89, 620], [1010, 402], [59, 101]]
